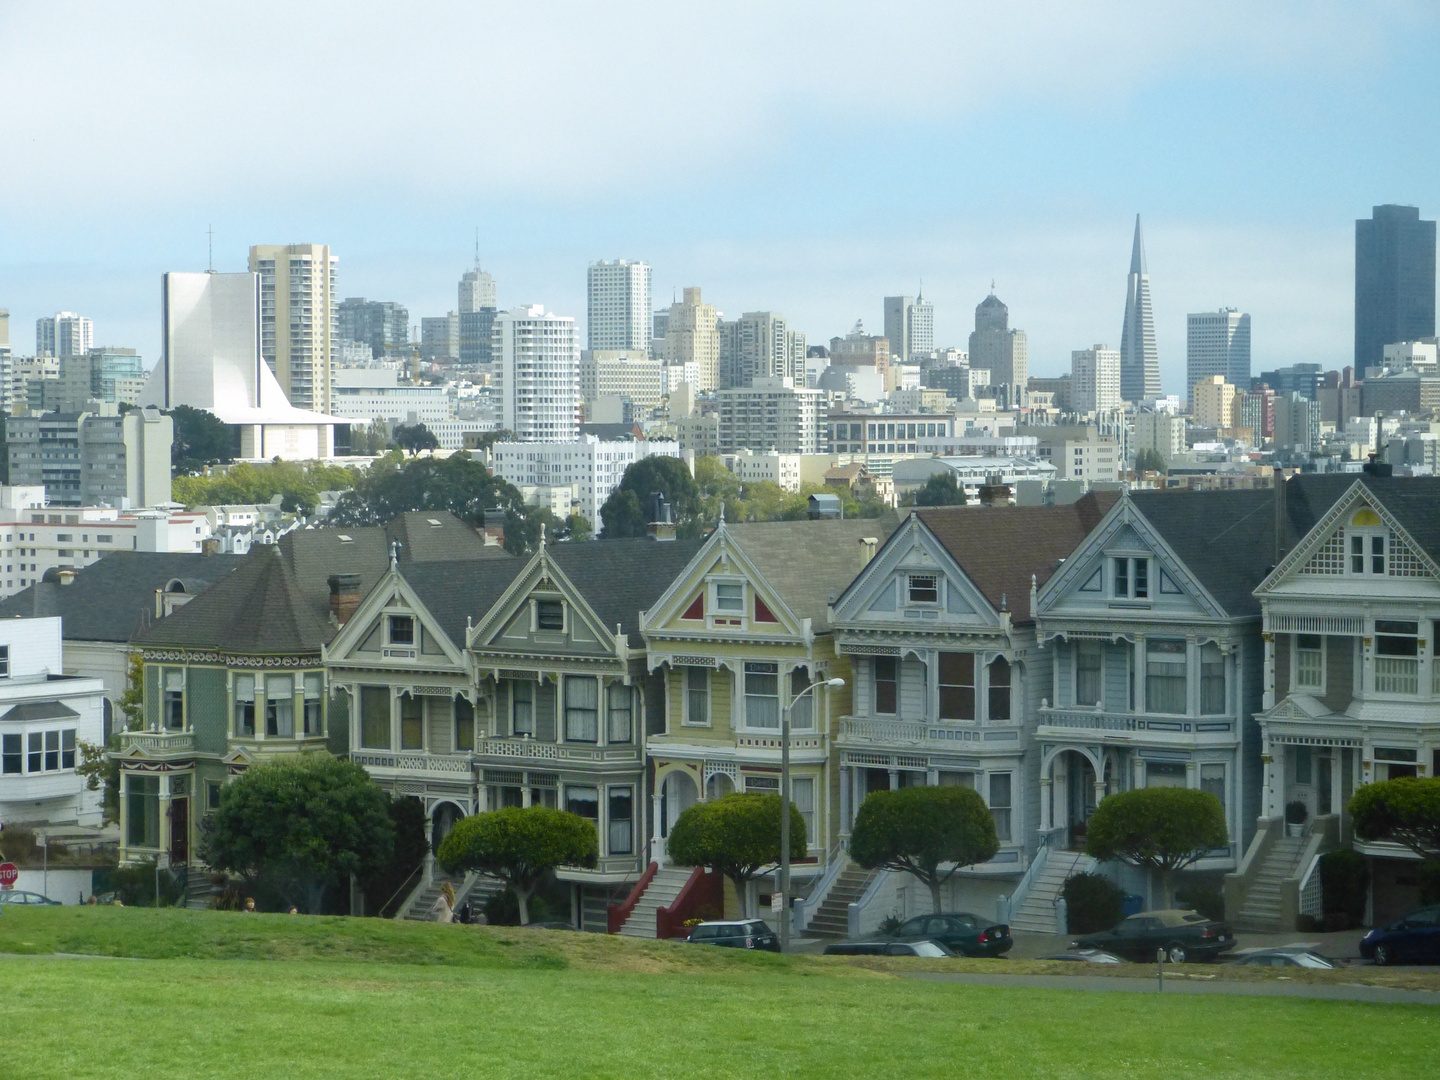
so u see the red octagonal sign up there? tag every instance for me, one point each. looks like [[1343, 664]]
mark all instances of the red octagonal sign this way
[[9, 874]]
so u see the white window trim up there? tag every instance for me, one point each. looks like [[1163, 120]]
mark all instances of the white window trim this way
[[939, 588], [390, 616], [1320, 690], [713, 611], [535, 615], [685, 720], [1075, 677], [1129, 598]]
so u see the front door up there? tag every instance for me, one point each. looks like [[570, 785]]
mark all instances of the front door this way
[[180, 831]]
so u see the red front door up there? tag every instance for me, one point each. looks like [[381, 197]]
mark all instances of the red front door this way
[[180, 831]]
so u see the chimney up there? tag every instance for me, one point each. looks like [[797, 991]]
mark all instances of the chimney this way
[[995, 492], [492, 528], [1280, 514], [869, 543], [67, 577], [210, 546], [662, 523], [344, 597]]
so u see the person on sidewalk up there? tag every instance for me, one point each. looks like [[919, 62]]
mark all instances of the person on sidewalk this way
[[444, 909]]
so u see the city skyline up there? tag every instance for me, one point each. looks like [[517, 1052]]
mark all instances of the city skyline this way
[[1252, 230]]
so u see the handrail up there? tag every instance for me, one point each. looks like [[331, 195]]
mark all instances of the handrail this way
[[670, 921], [380, 912], [805, 908], [616, 914], [1307, 900], [1031, 875], [854, 910]]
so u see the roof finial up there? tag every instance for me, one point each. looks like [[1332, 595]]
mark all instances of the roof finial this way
[[542, 536], [722, 511], [394, 554]]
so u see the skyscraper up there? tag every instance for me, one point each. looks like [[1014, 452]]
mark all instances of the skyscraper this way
[[1139, 360], [538, 372], [477, 314], [64, 334], [1217, 343], [477, 290], [1005, 353], [922, 328], [382, 324], [1094, 379], [909, 327], [692, 333], [618, 309], [760, 345], [298, 325], [1394, 281]]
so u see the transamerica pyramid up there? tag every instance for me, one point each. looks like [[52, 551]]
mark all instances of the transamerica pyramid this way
[[1139, 362]]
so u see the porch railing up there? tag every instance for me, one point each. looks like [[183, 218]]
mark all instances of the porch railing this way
[[158, 742], [704, 888], [1096, 720], [451, 764], [1312, 896], [856, 910], [543, 751], [1397, 675], [1053, 838], [836, 859]]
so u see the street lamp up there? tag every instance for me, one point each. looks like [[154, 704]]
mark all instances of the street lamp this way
[[833, 684]]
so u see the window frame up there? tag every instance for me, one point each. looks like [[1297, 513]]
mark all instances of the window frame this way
[[4, 661], [545, 608], [581, 717], [312, 706], [1130, 578], [169, 701], [516, 730], [460, 704], [243, 708], [280, 711], [694, 695], [994, 695], [911, 580], [1183, 666], [613, 733], [622, 791], [1207, 681], [759, 672], [891, 696], [1296, 649], [368, 696], [412, 724], [1082, 648], [1003, 813], [406, 640], [959, 693]]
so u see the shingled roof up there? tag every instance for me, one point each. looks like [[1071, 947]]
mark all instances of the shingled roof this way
[[454, 592], [1225, 538], [111, 600], [1001, 547], [809, 563], [1415, 502], [257, 610]]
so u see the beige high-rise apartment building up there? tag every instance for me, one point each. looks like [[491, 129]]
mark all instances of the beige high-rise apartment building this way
[[1212, 402], [298, 330], [693, 334]]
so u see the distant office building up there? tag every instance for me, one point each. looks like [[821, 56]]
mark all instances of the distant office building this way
[[381, 324], [477, 334], [440, 337], [1217, 343], [770, 414], [4, 331], [853, 357], [1078, 451], [922, 330], [1255, 409], [63, 334], [622, 373], [537, 374], [998, 349], [1297, 424], [1413, 391], [1212, 402], [618, 305], [1163, 432], [298, 318], [1302, 379], [1094, 380], [592, 467], [692, 335], [477, 291], [1139, 359], [1394, 281], [83, 459], [370, 394], [113, 376], [760, 345], [910, 327]]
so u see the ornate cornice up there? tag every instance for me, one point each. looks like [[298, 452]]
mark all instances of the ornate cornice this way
[[239, 660]]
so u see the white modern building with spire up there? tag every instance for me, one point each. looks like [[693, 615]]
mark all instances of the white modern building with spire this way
[[1139, 360]]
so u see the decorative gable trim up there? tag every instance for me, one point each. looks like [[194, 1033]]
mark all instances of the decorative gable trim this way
[[390, 589], [540, 576]]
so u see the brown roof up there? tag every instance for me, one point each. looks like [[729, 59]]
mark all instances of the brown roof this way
[[1001, 547]]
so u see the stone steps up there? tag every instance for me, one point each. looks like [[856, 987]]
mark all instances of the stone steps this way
[[1036, 913], [832, 918], [664, 887]]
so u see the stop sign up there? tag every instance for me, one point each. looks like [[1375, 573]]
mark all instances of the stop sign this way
[[9, 874]]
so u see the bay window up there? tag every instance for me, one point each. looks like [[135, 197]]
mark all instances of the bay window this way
[[620, 827], [172, 701], [1089, 672], [1397, 657], [697, 696], [279, 707], [584, 801], [522, 707], [12, 758], [802, 794], [1212, 780], [375, 717], [999, 689], [1164, 774], [620, 708], [582, 709], [887, 684], [1000, 796], [314, 689], [1165, 676], [957, 686], [802, 709], [245, 706], [1212, 680], [412, 722], [142, 806], [464, 724], [1309, 661], [762, 696]]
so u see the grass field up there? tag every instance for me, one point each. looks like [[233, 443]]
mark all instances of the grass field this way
[[287, 996]]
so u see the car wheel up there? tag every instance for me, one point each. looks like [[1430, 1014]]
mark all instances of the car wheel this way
[[1384, 954], [1175, 952]]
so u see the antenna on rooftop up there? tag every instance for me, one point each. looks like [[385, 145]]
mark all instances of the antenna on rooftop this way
[[210, 232], [477, 247]]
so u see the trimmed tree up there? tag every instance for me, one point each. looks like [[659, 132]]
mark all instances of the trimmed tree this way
[[302, 824], [928, 832], [1405, 811], [941, 489], [1160, 830], [738, 835], [520, 846], [624, 513]]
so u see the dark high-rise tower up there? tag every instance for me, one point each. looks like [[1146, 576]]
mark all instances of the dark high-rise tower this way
[[1394, 282], [1139, 359]]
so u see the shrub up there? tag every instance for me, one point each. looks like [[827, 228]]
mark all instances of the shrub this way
[[521, 846], [737, 835], [135, 885], [1296, 812], [1345, 881], [890, 924], [1092, 903], [928, 832], [1161, 830]]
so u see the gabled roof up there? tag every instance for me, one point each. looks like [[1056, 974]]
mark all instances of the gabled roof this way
[[1001, 547], [111, 600], [1413, 501], [39, 710], [621, 578], [810, 563], [1226, 539], [257, 610], [454, 592]]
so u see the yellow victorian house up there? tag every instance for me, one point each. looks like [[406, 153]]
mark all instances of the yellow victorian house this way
[[738, 636]]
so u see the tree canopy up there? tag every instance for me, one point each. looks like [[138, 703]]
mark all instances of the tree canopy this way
[[625, 511], [1150, 460], [1405, 811], [1160, 829], [201, 439], [519, 845], [928, 832], [941, 489], [737, 835], [414, 438], [302, 824], [298, 484]]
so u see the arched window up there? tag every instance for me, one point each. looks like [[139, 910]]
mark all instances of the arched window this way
[[1000, 689]]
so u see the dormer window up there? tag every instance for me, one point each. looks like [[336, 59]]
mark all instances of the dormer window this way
[[402, 630], [729, 598], [550, 615], [924, 589], [1131, 580], [1368, 543]]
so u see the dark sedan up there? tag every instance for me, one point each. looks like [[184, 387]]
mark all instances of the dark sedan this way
[[736, 934], [1184, 935], [1415, 939], [17, 897], [958, 931]]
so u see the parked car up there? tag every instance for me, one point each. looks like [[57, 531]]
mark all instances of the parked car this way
[[18, 896], [1184, 935], [1413, 939], [1086, 956], [927, 949], [1301, 958], [963, 933], [736, 934]]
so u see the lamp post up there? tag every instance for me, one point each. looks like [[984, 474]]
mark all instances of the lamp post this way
[[833, 684]]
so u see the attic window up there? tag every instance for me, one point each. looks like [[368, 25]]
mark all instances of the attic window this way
[[549, 615], [924, 589], [402, 630]]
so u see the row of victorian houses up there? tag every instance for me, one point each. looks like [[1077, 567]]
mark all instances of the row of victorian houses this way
[[1271, 647]]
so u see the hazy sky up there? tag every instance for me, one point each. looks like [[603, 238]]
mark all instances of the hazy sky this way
[[806, 158]]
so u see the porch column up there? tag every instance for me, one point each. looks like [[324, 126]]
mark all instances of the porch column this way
[[1268, 702], [1047, 812], [657, 842], [1275, 782], [894, 779], [1055, 676], [1337, 760], [124, 808], [845, 797], [1140, 703], [1099, 786]]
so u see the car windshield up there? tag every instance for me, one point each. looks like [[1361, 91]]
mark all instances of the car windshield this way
[[1194, 917], [928, 948], [1310, 960], [759, 927]]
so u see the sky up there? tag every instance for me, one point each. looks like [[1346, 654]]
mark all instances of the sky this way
[[805, 158]]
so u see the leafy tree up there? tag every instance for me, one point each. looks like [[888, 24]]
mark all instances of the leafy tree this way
[[485, 440], [718, 487], [624, 512], [301, 824], [1150, 460], [132, 701], [201, 439], [1404, 811], [298, 485], [407, 815], [101, 768], [521, 846], [737, 835], [1160, 830], [415, 437], [1092, 903], [941, 489], [577, 528], [928, 832]]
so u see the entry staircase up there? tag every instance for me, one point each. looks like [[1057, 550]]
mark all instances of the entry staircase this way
[[1262, 908], [1036, 913], [664, 887], [200, 891], [475, 889], [832, 917]]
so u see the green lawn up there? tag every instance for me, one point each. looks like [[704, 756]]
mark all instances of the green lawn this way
[[436, 1002]]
